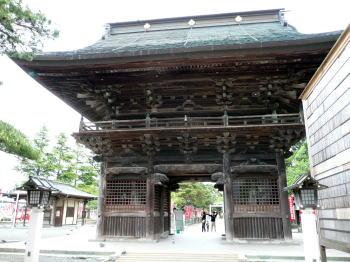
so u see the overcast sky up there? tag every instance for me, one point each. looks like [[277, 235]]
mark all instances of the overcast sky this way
[[28, 106]]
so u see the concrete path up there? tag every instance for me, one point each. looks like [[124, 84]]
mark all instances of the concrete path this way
[[80, 241]]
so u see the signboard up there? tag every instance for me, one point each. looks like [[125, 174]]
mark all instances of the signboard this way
[[291, 208]]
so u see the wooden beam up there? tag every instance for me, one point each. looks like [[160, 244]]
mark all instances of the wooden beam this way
[[126, 170], [188, 168], [254, 169]]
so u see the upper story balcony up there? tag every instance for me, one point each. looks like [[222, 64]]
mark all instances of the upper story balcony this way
[[186, 122]]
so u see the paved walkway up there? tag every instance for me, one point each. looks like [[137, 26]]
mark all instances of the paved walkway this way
[[80, 241]]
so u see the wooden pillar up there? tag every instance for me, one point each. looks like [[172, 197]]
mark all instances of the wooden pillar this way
[[101, 201], [150, 200], [282, 182], [83, 213], [161, 209], [323, 254], [168, 195], [52, 218], [228, 196]]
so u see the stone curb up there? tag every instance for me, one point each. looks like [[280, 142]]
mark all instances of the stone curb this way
[[61, 252], [292, 258]]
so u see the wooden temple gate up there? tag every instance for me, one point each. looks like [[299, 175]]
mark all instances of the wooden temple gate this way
[[206, 98]]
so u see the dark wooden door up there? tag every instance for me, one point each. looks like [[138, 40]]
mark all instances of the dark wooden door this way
[[58, 216]]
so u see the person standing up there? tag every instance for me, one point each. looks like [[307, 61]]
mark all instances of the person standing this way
[[179, 220], [204, 216], [207, 221], [213, 221]]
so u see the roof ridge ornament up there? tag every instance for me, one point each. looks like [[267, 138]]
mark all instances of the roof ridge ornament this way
[[147, 27], [238, 20], [107, 32], [191, 23]]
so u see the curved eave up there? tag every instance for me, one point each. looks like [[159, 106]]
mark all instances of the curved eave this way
[[212, 51]]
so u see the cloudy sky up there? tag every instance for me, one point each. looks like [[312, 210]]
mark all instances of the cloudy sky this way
[[28, 106]]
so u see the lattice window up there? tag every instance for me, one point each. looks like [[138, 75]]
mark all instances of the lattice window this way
[[166, 206], [255, 195], [125, 194], [157, 196], [308, 196]]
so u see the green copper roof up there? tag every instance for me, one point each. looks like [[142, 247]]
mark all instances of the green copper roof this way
[[257, 29]]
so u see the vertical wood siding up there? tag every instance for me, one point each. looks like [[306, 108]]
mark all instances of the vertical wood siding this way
[[125, 226], [257, 213], [258, 227]]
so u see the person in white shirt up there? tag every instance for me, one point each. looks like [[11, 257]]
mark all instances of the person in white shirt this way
[[207, 221]]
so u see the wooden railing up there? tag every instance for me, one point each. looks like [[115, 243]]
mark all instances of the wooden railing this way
[[177, 122]]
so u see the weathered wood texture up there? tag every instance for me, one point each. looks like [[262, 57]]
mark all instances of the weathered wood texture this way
[[327, 119], [133, 205], [120, 226], [228, 195], [101, 201], [256, 207], [282, 182], [258, 227], [150, 231]]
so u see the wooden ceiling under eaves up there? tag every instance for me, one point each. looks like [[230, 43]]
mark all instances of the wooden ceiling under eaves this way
[[257, 66], [248, 85]]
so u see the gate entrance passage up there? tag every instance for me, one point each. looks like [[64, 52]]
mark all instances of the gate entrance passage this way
[[168, 100]]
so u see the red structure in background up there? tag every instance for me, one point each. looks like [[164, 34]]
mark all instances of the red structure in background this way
[[292, 216], [192, 212]]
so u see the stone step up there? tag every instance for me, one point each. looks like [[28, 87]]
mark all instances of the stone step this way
[[179, 257]]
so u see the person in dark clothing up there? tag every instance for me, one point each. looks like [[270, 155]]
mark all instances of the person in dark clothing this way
[[204, 215], [213, 221]]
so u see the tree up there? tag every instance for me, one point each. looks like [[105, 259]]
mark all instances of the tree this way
[[87, 171], [199, 195], [22, 31], [21, 34], [298, 163], [61, 158], [14, 142], [40, 166]]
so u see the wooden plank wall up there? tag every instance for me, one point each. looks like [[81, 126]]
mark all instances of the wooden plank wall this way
[[255, 218], [327, 121], [124, 226], [258, 228]]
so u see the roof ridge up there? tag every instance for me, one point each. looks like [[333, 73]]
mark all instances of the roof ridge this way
[[200, 16]]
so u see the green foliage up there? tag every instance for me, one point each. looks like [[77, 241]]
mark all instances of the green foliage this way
[[87, 171], [61, 160], [298, 163], [22, 30], [21, 34], [41, 166], [92, 189], [62, 163], [14, 142], [199, 195], [86, 168]]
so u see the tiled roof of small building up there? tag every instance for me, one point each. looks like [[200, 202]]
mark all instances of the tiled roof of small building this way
[[64, 189], [57, 188]]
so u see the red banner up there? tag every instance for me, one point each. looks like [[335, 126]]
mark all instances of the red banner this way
[[291, 208]]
